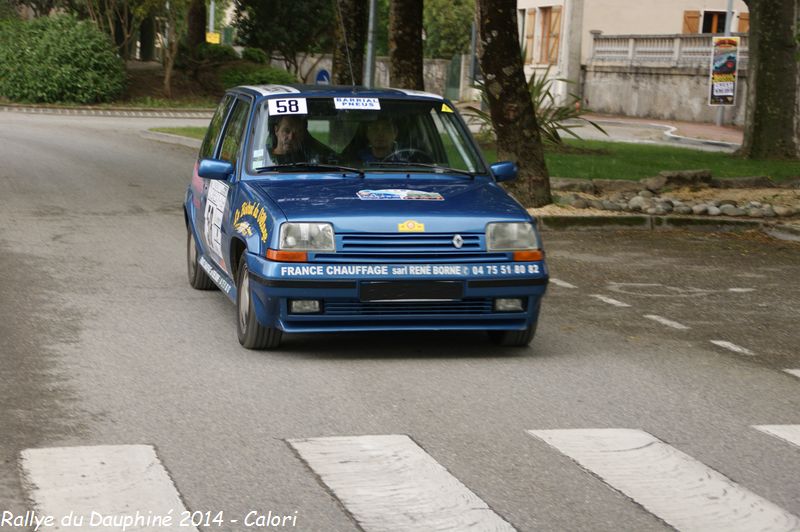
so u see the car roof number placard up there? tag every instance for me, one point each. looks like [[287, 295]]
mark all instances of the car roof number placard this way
[[369, 104], [287, 106]]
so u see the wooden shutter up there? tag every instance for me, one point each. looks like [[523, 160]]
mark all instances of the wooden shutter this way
[[744, 23], [555, 35], [691, 22], [530, 27]]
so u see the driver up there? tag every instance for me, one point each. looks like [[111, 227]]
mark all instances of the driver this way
[[293, 144]]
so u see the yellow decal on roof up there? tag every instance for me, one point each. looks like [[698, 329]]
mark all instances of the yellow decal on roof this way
[[411, 226], [446, 108]]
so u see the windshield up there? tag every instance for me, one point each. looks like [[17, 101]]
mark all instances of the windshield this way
[[363, 134]]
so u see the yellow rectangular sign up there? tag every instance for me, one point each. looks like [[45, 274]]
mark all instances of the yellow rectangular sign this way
[[213, 37]]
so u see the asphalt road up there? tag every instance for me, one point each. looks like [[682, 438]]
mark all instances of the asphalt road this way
[[103, 342]]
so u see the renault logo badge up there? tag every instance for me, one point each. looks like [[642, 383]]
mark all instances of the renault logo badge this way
[[458, 241]]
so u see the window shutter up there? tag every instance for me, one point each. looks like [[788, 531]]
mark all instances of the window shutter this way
[[555, 35], [691, 22], [744, 22], [530, 27]]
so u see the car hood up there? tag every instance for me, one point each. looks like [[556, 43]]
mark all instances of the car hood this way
[[356, 205]]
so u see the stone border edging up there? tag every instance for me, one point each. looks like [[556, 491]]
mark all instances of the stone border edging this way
[[130, 112], [656, 223]]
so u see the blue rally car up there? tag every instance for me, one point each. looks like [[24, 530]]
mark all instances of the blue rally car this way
[[323, 209]]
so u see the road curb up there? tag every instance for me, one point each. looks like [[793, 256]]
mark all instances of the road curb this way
[[664, 223], [169, 138]]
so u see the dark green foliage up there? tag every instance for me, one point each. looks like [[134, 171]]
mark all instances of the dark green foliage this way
[[7, 10], [255, 55], [448, 27], [286, 28], [216, 53], [58, 59], [254, 74]]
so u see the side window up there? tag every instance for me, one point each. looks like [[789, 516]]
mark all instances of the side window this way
[[214, 128], [234, 132]]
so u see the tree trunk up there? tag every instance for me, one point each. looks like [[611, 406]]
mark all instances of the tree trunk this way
[[405, 44], [771, 115], [196, 25], [510, 105], [355, 14]]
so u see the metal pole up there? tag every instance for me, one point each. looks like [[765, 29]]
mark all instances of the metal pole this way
[[369, 68], [728, 22], [211, 12], [473, 44]]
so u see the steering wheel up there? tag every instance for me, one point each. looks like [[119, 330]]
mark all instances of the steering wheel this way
[[411, 155]]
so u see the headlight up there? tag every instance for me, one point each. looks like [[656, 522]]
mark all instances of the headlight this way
[[307, 237], [511, 236]]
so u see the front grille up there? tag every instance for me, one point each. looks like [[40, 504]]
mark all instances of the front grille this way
[[416, 247], [408, 243], [400, 308]]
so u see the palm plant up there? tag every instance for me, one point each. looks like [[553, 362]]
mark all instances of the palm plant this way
[[553, 119]]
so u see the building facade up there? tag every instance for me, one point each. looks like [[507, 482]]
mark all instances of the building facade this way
[[561, 37]]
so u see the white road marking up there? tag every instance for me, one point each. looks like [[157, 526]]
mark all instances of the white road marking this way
[[105, 485], [610, 301], [672, 485], [389, 483], [795, 372], [790, 433], [665, 321], [559, 282], [741, 290], [733, 347]]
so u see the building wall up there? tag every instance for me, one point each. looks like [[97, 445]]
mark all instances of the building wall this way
[[644, 17], [660, 92]]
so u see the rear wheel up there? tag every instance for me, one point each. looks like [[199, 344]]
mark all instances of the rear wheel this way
[[513, 338], [252, 334], [197, 277]]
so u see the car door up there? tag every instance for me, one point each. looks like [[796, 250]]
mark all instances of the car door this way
[[219, 194]]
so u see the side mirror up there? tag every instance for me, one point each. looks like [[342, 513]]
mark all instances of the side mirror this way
[[504, 171], [214, 169]]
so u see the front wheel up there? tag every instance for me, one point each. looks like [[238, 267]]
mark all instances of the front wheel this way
[[513, 338], [252, 334]]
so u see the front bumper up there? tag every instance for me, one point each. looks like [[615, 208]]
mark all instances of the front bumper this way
[[345, 306]]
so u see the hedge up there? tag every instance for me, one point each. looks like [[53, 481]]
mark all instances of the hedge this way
[[253, 74], [58, 59]]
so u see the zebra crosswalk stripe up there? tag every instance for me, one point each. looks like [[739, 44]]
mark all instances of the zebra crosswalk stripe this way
[[789, 433], [101, 487], [389, 483], [670, 484]]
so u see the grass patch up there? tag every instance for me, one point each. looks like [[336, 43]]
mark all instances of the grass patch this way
[[620, 160], [164, 103], [191, 132]]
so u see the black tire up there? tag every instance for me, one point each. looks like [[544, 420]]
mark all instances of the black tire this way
[[513, 338], [252, 334], [198, 278]]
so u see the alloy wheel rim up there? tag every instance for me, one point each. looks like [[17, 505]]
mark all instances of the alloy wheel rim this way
[[244, 300], [192, 254]]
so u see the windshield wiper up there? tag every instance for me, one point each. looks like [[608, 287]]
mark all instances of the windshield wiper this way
[[311, 166], [440, 168]]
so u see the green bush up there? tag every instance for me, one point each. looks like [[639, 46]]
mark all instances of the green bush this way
[[216, 53], [58, 59], [254, 55], [252, 74]]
